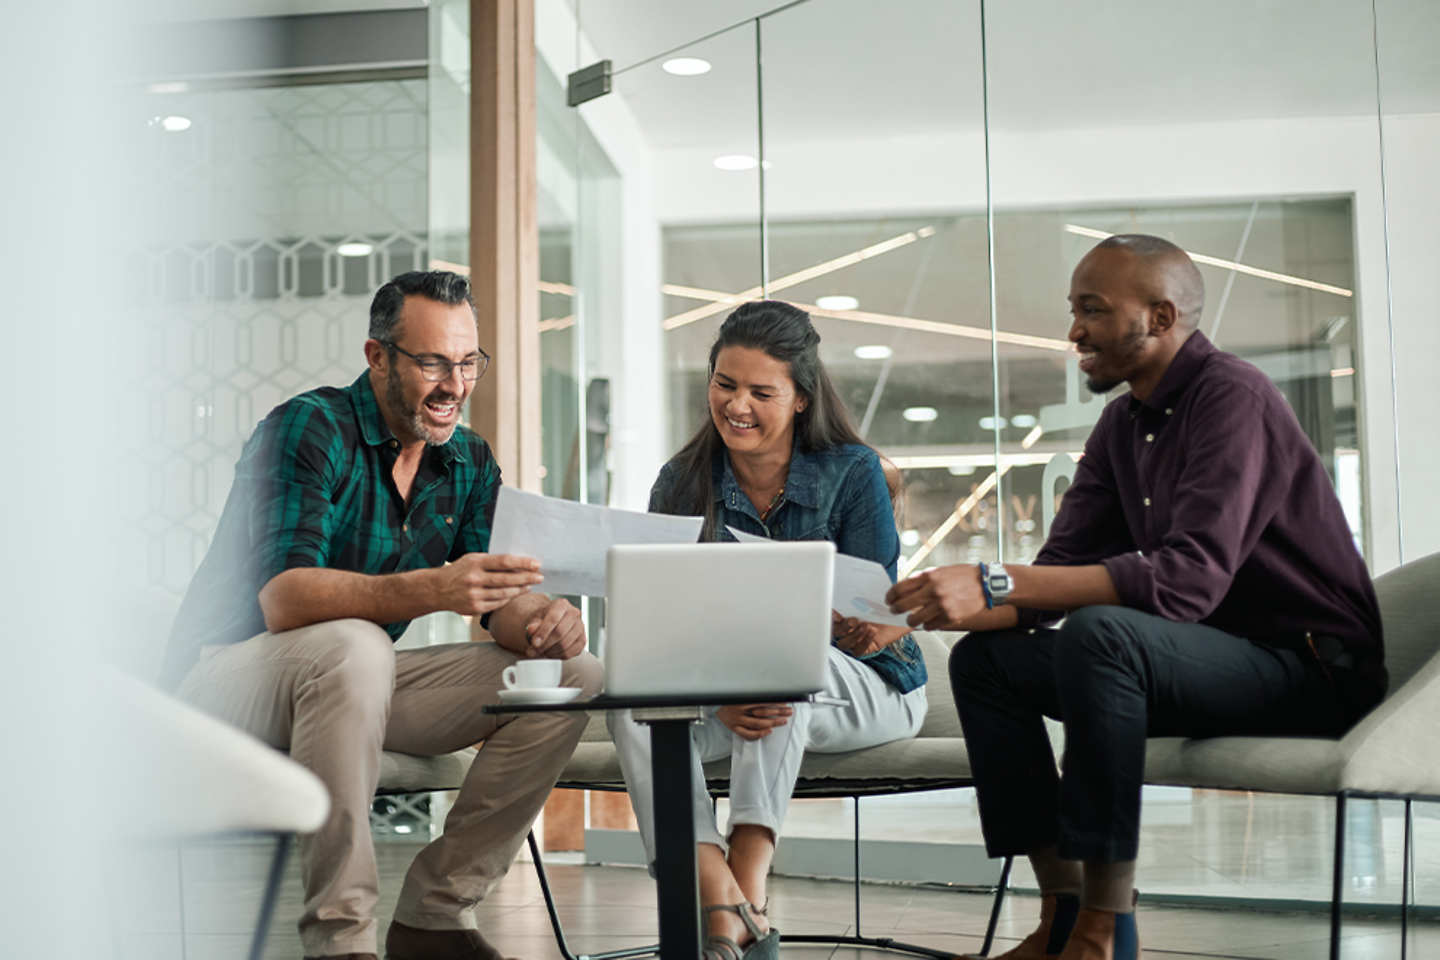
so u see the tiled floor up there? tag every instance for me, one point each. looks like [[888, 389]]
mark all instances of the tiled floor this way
[[1195, 844], [606, 908]]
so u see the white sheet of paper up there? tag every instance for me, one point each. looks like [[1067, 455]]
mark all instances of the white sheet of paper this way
[[860, 586], [570, 539]]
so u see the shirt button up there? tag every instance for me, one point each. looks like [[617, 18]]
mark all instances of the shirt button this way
[[405, 527], [449, 519], [1149, 438], [394, 444], [1147, 501]]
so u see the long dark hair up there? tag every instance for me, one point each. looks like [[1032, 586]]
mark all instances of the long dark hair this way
[[785, 333]]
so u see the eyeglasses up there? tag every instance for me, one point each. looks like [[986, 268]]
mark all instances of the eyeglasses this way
[[437, 370]]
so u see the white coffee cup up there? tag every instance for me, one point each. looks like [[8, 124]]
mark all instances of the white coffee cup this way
[[532, 675]]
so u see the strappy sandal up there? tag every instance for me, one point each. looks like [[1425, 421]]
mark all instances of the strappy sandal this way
[[765, 947]]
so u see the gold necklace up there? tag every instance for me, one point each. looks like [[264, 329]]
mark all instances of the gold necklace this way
[[773, 500]]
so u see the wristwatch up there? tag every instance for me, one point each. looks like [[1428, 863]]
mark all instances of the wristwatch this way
[[997, 584]]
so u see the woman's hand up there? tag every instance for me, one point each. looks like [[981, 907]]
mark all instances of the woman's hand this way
[[754, 721], [860, 638]]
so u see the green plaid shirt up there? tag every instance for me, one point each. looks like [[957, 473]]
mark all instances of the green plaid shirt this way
[[314, 488]]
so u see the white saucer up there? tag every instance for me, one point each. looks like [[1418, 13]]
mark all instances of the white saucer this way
[[540, 695]]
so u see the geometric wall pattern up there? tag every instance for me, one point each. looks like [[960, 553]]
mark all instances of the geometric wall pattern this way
[[247, 300]]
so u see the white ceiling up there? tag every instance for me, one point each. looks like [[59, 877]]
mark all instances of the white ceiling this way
[[836, 68]]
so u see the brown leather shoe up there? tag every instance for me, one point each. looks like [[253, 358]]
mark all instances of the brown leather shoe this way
[[403, 942], [1057, 917], [1102, 935]]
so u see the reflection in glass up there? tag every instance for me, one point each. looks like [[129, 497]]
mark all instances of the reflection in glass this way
[[913, 361]]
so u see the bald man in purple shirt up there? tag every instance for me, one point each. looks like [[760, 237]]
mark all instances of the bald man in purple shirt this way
[[1209, 586]]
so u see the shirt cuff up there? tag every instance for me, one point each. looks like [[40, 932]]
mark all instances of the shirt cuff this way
[[1134, 581]]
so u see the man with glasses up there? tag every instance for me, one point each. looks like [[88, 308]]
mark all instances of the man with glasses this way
[[355, 510]]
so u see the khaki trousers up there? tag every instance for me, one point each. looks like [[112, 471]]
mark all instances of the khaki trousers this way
[[336, 695]]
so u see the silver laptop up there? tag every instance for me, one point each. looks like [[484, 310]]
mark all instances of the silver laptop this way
[[726, 620]]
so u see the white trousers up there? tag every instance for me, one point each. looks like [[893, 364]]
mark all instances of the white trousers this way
[[763, 772]]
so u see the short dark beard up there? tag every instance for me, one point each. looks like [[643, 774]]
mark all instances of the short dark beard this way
[[395, 400], [1101, 386], [1129, 348]]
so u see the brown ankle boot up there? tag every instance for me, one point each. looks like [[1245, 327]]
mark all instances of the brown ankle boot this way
[[1102, 935], [1057, 916], [404, 942]]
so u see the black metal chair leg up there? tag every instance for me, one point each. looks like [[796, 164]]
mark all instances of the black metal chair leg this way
[[1338, 887], [549, 898], [995, 908], [857, 867], [560, 940], [272, 894], [879, 943], [1405, 884]]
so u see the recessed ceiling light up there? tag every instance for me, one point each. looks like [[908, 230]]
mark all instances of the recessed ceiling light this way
[[920, 414], [876, 351], [686, 66], [736, 161], [838, 302], [175, 124], [988, 423], [910, 537], [355, 249], [1022, 420], [961, 470]]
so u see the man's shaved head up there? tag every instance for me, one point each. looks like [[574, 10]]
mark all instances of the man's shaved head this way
[[1162, 271], [1134, 301]]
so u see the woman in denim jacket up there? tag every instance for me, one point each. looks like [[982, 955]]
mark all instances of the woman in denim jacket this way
[[778, 457]]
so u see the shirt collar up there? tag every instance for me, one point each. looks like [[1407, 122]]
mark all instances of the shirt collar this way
[[802, 485], [376, 432], [1179, 375]]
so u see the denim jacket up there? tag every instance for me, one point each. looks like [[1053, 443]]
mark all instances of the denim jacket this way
[[838, 495]]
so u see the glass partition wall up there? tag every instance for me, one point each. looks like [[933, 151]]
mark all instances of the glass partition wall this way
[[923, 177]]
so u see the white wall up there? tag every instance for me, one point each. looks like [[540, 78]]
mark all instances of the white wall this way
[[1412, 153]]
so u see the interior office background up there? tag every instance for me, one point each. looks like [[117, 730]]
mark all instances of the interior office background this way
[[203, 198]]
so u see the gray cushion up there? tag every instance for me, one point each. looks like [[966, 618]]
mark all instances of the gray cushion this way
[[936, 757], [404, 773], [1394, 749], [1410, 611], [941, 720]]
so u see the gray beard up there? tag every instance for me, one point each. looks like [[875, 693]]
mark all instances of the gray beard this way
[[395, 400]]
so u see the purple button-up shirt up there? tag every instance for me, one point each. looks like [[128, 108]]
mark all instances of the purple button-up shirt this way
[[1208, 504]]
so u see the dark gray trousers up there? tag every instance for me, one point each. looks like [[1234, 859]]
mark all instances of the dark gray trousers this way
[[1115, 676]]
